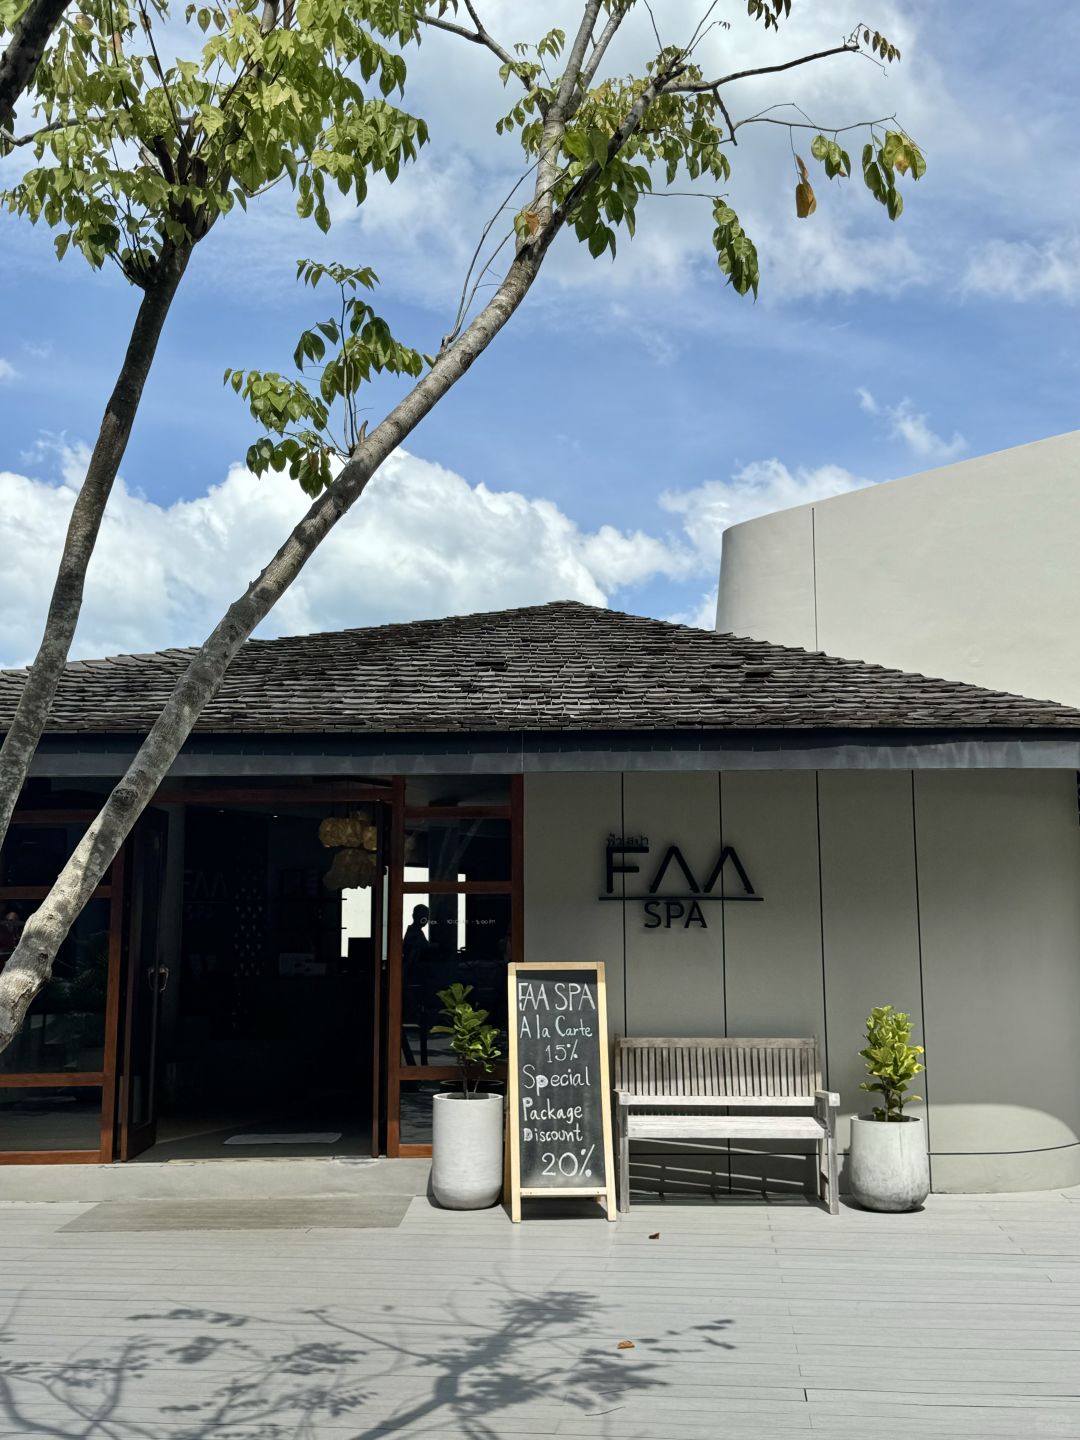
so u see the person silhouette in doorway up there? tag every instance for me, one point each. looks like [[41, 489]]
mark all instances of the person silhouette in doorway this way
[[415, 946]]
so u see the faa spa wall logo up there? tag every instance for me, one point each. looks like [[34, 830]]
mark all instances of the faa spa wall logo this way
[[727, 881]]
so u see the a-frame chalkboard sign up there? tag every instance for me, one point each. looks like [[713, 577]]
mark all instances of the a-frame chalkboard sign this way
[[558, 1085]]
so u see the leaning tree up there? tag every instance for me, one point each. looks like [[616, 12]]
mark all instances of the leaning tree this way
[[136, 156], [595, 142]]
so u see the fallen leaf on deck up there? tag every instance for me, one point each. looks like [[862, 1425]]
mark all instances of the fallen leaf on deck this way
[[626, 1345], [655, 1236]]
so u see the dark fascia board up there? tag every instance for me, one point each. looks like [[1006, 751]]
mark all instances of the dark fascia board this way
[[512, 753]]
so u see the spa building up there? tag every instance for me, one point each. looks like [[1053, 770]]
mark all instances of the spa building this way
[[757, 838]]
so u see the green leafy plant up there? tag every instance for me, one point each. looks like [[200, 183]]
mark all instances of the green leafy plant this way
[[891, 1059], [472, 1039]]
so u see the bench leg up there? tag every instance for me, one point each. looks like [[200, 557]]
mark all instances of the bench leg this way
[[624, 1166], [834, 1181]]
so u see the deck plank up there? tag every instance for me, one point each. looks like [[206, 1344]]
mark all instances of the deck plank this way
[[747, 1320]]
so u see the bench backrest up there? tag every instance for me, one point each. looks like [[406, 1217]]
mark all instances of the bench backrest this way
[[776, 1070]]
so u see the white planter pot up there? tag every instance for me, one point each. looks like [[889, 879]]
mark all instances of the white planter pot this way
[[467, 1151], [888, 1167]]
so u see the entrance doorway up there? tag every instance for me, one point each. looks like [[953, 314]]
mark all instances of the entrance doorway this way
[[259, 972], [261, 980]]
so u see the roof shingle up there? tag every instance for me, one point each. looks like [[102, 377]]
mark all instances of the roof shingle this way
[[563, 666]]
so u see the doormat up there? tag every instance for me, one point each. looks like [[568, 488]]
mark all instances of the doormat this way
[[305, 1137], [375, 1212]]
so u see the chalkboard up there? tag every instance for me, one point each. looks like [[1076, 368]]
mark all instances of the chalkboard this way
[[559, 1089]]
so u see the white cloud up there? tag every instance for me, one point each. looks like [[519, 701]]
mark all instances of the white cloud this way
[[421, 542], [7, 370], [702, 614], [757, 489], [1019, 270], [906, 423]]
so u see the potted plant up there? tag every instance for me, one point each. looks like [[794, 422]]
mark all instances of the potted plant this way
[[467, 1126], [889, 1169]]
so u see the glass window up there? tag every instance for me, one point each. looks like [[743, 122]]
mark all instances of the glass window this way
[[50, 1119], [465, 849], [416, 1100], [35, 854], [457, 790], [65, 1027], [450, 938]]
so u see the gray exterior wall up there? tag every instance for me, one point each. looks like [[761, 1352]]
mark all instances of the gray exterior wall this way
[[967, 572], [954, 895]]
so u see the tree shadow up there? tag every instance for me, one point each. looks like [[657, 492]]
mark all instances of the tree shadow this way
[[241, 1376]]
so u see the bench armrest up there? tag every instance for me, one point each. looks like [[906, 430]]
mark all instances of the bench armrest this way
[[826, 1104]]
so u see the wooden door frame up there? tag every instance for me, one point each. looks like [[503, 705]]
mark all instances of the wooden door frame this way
[[221, 796], [126, 1144]]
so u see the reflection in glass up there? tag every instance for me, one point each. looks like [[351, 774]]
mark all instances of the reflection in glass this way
[[434, 955], [463, 790], [416, 1101], [50, 1119], [65, 1027], [465, 849], [35, 854]]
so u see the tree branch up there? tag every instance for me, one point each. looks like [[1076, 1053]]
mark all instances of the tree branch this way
[[698, 87], [547, 166], [20, 60], [50, 129], [479, 36], [30, 965], [36, 699], [589, 69], [727, 116], [764, 119]]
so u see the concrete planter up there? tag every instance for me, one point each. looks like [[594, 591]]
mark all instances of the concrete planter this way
[[467, 1151], [888, 1165]]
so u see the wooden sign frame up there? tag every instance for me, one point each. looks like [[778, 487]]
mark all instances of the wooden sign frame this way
[[606, 1192]]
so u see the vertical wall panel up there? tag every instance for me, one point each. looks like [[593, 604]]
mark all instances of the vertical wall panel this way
[[869, 917], [773, 950], [674, 976], [999, 885], [567, 821]]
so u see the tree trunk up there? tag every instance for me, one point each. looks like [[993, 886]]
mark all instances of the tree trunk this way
[[25, 49], [30, 966], [35, 702]]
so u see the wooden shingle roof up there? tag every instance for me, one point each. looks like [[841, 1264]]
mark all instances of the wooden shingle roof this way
[[558, 667]]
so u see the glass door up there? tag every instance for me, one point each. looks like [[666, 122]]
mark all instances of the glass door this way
[[455, 915]]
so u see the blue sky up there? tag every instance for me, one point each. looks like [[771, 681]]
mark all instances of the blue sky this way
[[632, 410]]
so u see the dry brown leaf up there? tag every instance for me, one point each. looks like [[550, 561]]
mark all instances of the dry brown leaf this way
[[655, 1236], [626, 1345], [805, 200]]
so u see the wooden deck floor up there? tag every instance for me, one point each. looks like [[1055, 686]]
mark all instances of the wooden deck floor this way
[[746, 1321]]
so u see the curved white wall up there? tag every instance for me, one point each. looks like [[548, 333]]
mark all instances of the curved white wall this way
[[970, 572], [954, 895]]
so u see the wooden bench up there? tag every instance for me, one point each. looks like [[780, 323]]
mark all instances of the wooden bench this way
[[695, 1090]]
